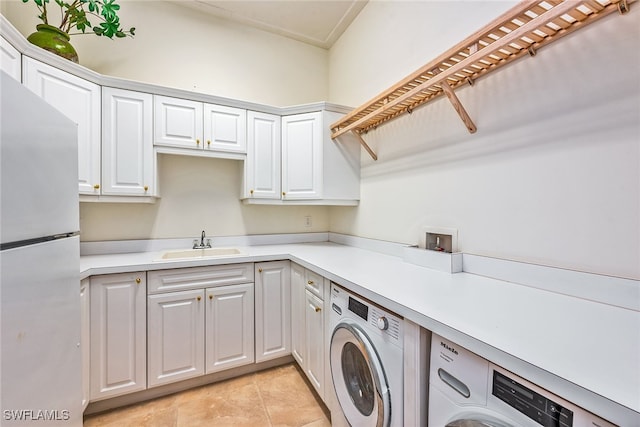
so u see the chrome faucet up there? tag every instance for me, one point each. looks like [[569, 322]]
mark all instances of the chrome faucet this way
[[203, 244]]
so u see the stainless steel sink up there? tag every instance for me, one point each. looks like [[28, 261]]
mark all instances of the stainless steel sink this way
[[200, 253]]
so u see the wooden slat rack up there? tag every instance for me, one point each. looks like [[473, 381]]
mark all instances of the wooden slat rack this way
[[520, 31]]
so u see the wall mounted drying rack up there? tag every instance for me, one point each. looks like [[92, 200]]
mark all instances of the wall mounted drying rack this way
[[520, 31]]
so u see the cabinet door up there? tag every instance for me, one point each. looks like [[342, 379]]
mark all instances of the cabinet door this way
[[127, 142], [314, 332], [298, 303], [302, 156], [262, 168], [176, 336], [10, 60], [178, 122], [229, 327], [118, 334], [225, 128], [79, 100], [85, 339], [273, 310]]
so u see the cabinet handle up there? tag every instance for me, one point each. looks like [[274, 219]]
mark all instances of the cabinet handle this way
[[210, 296], [208, 142], [259, 270], [197, 142], [318, 309], [146, 188], [251, 192], [138, 280], [310, 282], [199, 298], [96, 187], [284, 194]]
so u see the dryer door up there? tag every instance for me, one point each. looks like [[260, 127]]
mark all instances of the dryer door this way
[[358, 377]]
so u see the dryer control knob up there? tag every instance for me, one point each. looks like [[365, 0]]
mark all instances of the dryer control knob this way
[[383, 323]]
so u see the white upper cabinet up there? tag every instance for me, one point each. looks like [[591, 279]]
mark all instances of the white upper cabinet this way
[[178, 122], [262, 167], [10, 60], [79, 100], [311, 167], [302, 156], [190, 124], [127, 143], [225, 129]]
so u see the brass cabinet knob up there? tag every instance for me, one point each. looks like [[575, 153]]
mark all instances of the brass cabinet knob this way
[[197, 142], [208, 142], [284, 194], [251, 192], [259, 270], [310, 282], [211, 296], [199, 298], [146, 188], [96, 187], [318, 309], [138, 280]]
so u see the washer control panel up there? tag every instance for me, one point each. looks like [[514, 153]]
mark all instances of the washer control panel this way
[[374, 317]]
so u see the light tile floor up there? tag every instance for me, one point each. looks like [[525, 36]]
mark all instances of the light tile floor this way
[[275, 397]]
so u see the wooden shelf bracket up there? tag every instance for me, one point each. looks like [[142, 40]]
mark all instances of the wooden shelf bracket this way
[[364, 144], [457, 105]]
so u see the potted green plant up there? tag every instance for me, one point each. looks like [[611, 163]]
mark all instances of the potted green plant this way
[[75, 16]]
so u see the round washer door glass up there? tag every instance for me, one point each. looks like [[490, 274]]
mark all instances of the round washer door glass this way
[[357, 378]]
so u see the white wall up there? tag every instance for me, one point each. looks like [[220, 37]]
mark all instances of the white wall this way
[[184, 48], [553, 174]]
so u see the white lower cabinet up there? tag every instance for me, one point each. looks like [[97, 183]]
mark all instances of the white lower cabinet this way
[[118, 334], [298, 346], [201, 321], [176, 336], [85, 339], [229, 327], [314, 337], [308, 325], [273, 310]]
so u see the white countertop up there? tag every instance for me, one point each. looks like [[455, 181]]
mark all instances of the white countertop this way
[[577, 348]]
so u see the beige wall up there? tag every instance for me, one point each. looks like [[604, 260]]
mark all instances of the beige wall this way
[[197, 194], [553, 174], [183, 48]]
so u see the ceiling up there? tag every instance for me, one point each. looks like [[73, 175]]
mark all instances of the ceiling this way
[[317, 22]]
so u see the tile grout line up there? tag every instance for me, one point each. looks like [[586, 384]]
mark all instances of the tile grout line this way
[[264, 406]]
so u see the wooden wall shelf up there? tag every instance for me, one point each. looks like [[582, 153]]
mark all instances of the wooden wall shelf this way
[[520, 31]]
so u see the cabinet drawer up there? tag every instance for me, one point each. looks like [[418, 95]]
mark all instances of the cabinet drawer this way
[[314, 283], [198, 277]]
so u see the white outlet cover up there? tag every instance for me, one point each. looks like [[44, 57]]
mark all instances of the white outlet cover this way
[[453, 232]]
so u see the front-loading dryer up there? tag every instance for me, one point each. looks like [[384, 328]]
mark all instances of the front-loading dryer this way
[[466, 390], [366, 359]]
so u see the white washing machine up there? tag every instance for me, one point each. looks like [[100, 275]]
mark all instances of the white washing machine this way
[[466, 390], [366, 362]]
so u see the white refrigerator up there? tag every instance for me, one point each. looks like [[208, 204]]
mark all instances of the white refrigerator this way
[[40, 355]]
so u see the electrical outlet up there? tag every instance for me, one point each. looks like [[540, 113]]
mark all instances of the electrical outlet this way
[[307, 221]]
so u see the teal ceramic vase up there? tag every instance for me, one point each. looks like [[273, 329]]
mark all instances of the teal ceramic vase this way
[[54, 40]]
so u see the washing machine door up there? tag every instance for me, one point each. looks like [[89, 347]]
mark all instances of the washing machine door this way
[[358, 377]]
